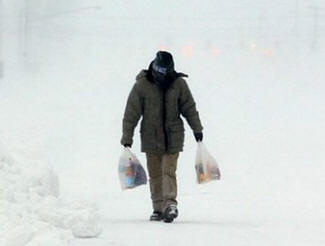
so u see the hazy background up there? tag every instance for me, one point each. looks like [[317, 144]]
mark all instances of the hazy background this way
[[41, 35], [256, 70]]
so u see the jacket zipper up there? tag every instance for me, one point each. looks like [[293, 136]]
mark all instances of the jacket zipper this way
[[164, 120]]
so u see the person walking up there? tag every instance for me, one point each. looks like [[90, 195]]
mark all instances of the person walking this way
[[160, 96]]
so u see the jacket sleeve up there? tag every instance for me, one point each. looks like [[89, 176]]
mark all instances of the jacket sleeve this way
[[188, 108], [132, 114]]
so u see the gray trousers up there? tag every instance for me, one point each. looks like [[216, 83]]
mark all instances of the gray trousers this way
[[162, 179]]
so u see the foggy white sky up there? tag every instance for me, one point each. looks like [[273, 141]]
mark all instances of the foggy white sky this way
[[218, 17], [36, 30]]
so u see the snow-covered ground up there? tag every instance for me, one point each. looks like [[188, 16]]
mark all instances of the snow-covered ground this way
[[261, 101], [263, 121]]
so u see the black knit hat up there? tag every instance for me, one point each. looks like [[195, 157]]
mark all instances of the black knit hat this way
[[163, 63]]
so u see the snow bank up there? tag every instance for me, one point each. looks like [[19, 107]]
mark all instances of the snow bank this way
[[31, 212]]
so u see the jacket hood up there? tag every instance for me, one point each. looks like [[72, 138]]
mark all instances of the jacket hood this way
[[147, 74], [142, 74]]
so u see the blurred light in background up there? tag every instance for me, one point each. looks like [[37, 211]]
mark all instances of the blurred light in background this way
[[216, 52], [267, 52], [187, 50]]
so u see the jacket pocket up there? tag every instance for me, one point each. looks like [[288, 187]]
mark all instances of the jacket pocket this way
[[176, 136], [176, 128], [148, 139]]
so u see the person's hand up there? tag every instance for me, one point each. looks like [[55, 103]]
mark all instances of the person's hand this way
[[198, 136], [127, 145]]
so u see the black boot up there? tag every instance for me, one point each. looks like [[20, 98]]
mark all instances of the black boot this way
[[156, 216], [170, 213]]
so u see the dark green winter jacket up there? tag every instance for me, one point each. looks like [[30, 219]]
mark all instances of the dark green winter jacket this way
[[162, 129]]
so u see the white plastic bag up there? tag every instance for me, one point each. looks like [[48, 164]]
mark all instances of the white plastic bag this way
[[131, 173], [206, 167]]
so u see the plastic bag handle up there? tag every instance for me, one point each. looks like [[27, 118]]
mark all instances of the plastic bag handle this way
[[200, 149], [128, 152], [127, 149]]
